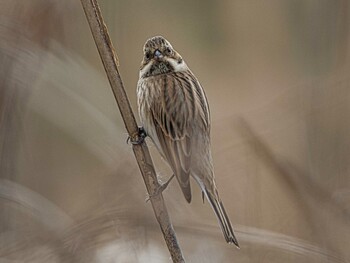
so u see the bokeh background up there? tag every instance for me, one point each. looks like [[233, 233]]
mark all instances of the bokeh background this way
[[276, 74]]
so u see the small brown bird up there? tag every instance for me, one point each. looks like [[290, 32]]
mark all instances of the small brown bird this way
[[174, 112]]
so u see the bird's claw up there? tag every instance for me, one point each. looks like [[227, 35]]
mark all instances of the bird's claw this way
[[141, 135]]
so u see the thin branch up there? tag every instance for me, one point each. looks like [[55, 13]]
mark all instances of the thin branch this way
[[142, 155]]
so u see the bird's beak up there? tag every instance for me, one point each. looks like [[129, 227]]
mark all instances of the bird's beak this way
[[158, 55]]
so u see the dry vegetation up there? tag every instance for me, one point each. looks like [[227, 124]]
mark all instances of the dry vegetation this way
[[277, 79]]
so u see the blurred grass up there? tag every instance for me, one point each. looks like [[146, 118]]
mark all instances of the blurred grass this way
[[281, 66]]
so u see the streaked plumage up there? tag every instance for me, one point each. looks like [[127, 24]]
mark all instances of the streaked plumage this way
[[174, 112]]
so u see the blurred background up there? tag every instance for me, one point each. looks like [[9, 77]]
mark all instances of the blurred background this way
[[276, 74]]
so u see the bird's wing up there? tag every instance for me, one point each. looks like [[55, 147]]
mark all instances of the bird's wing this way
[[173, 114], [178, 155]]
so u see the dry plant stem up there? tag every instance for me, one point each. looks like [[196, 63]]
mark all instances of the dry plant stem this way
[[143, 157]]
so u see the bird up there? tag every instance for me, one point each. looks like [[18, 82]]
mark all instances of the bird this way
[[174, 113]]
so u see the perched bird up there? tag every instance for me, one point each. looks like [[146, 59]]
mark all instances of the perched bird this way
[[174, 112]]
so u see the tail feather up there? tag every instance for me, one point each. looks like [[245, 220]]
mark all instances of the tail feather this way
[[223, 219], [186, 190]]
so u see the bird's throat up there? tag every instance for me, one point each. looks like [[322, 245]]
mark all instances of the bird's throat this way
[[161, 67]]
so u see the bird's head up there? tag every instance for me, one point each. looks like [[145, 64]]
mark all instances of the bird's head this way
[[159, 57]]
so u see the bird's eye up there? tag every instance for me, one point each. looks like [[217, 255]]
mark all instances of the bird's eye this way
[[168, 51], [148, 55]]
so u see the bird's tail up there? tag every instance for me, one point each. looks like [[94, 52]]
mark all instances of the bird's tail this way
[[223, 219]]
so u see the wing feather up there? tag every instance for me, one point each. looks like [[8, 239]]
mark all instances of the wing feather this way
[[179, 107]]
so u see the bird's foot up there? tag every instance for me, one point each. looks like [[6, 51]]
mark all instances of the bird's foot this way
[[160, 189], [141, 135]]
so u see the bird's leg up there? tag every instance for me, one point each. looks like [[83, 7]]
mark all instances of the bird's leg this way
[[161, 188], [140, 137]]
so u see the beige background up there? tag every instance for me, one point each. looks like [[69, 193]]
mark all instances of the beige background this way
[[276, 74]]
